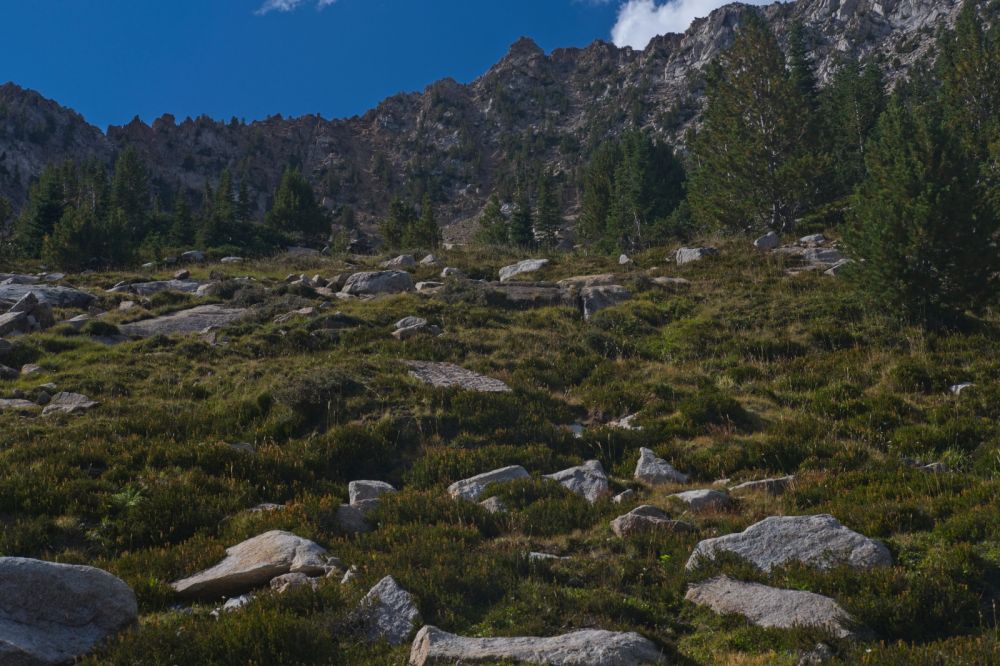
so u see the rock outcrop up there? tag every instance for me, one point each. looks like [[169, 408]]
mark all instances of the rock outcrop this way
[[449, 375], [473, 487], [192, 320]]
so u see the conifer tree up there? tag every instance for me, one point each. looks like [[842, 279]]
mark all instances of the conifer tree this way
[[47, 203], [752, 165], [548, 220], [295, 207], [182, 231], [492, 223], [521, 227], [425, 232], [396, 224], [130, 193], [921, 232]]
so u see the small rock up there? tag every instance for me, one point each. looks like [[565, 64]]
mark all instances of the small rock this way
[[623, 260], [182, 275], [838, 268], [30, 369], [193, 256], [429, 260], [351, 575], [936, 468], [290, 581], [452, 273], [368, 490], [407, 322], [428, 287], [820, 654], [624, 496], [231, 260], [687, 255], [656, 471], [958, 389], [704, 500], [402, 261], [473, 487], [68, 403], [236, 603], [8, 374], [19, 406], [534, 558], [822, 255], [812, 240], [351, 518], [768, 241], [587, 480], [647, 518], [671, 282], [595, 299]]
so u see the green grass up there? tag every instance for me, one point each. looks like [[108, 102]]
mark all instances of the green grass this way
[[746, 373]]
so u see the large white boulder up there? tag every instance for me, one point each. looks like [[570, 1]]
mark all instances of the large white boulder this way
[[655, 471], [587, 480], [819, 541]]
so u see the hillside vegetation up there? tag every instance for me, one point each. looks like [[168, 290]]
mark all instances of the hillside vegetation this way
[[746, 373]]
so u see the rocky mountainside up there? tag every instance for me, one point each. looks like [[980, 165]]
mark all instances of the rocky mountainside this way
[[461, 142]]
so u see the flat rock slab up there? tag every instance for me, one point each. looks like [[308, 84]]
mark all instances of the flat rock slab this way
[[378, 282], [253, 563], [587, 480], [54, 613], [526, 294], [68, 403], [521, 267], [819, 541], [580, 281], [60, 297], [590, 647], [770, 606], [704, 500], [656, 471], [389, 613], [473, 487], [155, 287], [19, 406], [449, 375], [193, 320], [774, 486]]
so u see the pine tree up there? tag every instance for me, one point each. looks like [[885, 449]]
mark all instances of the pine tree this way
[[295, 208], [598, 185], [397, 223], [425, 232], [548, 219], [130, 194], [800, 68], [244, 203], [921, 232], [47, 203], [752, 165], [182, 231], [492, 223], [521, 228], [70, 245]]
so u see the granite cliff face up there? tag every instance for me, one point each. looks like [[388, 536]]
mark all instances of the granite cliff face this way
[[462, 141]]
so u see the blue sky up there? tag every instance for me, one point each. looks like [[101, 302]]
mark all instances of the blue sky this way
[[115, 59]]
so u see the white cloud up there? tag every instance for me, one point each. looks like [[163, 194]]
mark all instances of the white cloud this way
[[641, 20], [288, 5]]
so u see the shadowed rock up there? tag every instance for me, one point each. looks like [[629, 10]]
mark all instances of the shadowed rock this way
[[819, 541], [590, 647], [389, 613], [770, 606], [595, 299], [647, 518], [54, 613], [149, 288], [687, 255], [68, 403], [60, 297], [253, 563], [587, 480], [704, 500], [193, 320], [368, 490]]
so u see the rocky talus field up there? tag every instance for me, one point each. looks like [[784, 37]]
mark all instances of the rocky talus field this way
[[719, 454]]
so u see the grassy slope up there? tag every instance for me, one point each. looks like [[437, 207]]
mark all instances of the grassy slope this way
[[744, 374]]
